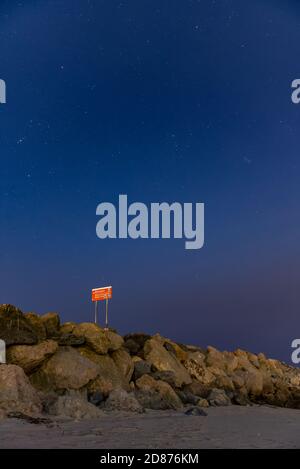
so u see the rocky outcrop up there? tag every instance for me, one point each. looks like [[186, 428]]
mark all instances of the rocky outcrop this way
[[48, 362]]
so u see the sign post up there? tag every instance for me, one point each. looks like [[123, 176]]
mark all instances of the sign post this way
[[106, 314], [96, 312], [100, 294]]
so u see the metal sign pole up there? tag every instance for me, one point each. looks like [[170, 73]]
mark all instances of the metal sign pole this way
[[101, 294], [106, 314], [96, 312]]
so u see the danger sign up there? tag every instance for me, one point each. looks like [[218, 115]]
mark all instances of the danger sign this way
[[99, 294]]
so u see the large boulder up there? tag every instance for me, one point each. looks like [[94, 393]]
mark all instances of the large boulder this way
[[198, 370], [75, 408], [124, 363], [67, 328], [63, 334], [37, 325], [156, 354], [109, 376], [282, 396], [16, 392], [121, 400], [66, 336], [66, 369], [30, 357], [70, 339], [141, 367], [167, 376], [243, 359], [100, 340], [51, 322], [153, 394], [254, 382], [238, 379], [187, 397], [15, 329], [198, 389], [293, 376], [134, 343], [249, 375], [218, 397], [226, 361], [224, 382], [178, 350]]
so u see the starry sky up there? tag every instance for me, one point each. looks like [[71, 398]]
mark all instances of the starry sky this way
[[163, 100]]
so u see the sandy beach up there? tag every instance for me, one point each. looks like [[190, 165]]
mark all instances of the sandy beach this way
[[223, 427]]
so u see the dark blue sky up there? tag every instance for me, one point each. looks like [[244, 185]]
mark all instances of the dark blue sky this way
[[167, 100]]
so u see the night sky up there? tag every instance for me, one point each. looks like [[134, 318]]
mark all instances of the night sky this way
[[163, 100]]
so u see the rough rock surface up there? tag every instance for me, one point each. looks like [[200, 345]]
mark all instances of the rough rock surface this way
[[75, 408], [14, 327], [156, 354], [67, 328], [141, 367], [98, 339], [51, 322], [196, 411], [121, 400], [134, 343], [16, 392], [66, 369], [70, 339], [37, 325], [30, 357], [124, 363], [218, 397], [153, 394], [108, 377]]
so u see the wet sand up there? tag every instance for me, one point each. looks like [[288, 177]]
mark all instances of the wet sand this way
[[224, 427]]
